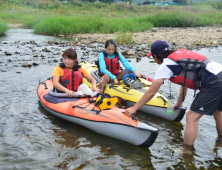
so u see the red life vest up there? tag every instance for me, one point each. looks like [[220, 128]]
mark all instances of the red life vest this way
[[71, 79], [194, 66], [112, 65]]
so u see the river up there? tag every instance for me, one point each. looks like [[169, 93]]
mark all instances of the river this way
[[31, 138]]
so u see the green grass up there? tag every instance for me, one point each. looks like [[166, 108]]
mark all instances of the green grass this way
[[177, 19], [52, 17], [3, 27], [89, 24], [124, 38]]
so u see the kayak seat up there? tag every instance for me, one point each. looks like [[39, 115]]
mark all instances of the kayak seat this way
[[52, 99], [96, 75]]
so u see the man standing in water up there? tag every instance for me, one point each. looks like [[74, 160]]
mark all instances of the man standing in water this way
[[202, 74]]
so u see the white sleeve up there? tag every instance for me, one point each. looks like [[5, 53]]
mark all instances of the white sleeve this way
[[163, 72]]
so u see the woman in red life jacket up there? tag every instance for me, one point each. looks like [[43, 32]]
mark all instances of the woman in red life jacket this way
[[69, 75], [190, 70], [109, 65]]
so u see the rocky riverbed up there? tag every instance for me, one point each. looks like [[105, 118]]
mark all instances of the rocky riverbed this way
[[191, 38], [88, 46]]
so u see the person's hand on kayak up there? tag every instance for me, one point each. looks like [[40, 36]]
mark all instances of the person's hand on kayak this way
[[130, 111], [69, 92], [143, 77], [116, 82], [97, 90], [177, 105]]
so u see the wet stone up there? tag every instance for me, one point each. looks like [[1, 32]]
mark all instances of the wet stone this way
[[8, 53], [35, 64], [46, 50], [43, 55], [60, 35], [27, 65], [130, 52], [3, 70], [138, 59]]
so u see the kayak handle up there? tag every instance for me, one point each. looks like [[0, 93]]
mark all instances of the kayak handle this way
[[45, 85], [162, 99], [133, 117]]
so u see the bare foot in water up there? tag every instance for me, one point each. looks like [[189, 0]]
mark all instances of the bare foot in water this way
[[181, 150]]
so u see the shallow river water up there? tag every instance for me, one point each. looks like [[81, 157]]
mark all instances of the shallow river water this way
[[31, 138]]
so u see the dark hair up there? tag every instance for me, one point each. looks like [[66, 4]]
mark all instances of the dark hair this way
[[70, 53], [163, 55], [111, 42]]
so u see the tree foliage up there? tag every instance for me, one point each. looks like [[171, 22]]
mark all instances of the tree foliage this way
[[91, 1], [216, 4], [107, 1], [181, 2]]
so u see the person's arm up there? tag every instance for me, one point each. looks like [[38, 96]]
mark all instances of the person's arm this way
[[93, 82], [58, 86], [148, 95], [137, 74], [126, 64], [181, 97], [102, 66]]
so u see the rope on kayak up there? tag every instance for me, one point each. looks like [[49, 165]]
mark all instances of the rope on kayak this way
[[127, 78]]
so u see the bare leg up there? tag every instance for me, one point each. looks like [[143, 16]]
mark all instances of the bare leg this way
[[218, 119], [191, 130], [104, 80], [120, 75]]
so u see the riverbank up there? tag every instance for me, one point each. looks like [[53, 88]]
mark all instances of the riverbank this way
[[15, 25], [90, 45], [189, 38]]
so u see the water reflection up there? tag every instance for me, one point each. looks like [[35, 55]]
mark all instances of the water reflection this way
[[76, 137], [22, 34]]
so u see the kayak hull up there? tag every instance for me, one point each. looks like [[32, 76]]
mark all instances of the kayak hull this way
[[157, 106], [113, 123], [176, 115]]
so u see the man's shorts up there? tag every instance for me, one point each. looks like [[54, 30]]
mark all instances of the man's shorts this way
[[209, 98]]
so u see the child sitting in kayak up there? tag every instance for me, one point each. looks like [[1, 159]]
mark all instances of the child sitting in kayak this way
[[68, 76], [109, 65]]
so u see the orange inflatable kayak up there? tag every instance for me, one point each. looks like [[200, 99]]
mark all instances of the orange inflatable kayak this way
[[84, 111]]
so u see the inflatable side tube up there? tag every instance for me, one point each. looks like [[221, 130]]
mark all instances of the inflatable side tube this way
[[150, 140], [77, 94], [181, 114]]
